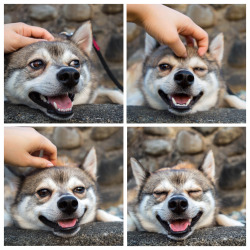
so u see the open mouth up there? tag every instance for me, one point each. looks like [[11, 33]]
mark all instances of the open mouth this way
[[66, 226], [181, 227], [179, 101], [60, 105]]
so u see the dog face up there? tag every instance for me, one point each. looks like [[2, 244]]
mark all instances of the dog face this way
[[58, 199], [46, 75], [175, 201], [181, 85]]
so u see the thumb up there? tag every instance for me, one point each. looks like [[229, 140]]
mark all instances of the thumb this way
[[177, 46], [38, 162], [24, 41]]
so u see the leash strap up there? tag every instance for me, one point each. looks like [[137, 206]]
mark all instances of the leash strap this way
[[105, 65]]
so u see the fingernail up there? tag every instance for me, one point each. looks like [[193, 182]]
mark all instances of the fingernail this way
[[50, 165]]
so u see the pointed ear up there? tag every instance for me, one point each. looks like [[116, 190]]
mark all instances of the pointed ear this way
[[150, 44], [139, 172], [83, 37], [216, 48], [208, 166], [90, 163]]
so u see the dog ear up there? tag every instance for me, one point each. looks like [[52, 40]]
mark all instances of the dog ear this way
[[150, 44], [208, 166], [83, 37], [90, 163], [139, 172], [216, 48]]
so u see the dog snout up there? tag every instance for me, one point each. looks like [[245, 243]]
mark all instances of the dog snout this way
[[68, 77], [178, 204], [68, 204], [184, 78]]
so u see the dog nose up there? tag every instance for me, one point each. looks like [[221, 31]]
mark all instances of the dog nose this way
[[68, 204], [68, 77], [178, 204], [184, 78]]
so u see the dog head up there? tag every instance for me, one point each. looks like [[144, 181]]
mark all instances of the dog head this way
[[181, 85], [58, 199], [176, 201], [46, 75]]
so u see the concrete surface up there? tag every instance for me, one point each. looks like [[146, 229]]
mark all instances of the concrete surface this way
[[92, 234], [138, 114], [87, 113], [216, 236]]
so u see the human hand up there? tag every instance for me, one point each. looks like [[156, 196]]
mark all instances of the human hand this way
[[22, 148], [166, 24], [18, 35]]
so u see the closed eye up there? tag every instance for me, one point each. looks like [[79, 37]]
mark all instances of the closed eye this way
[[194, 192], [160, 193], [200, 69]]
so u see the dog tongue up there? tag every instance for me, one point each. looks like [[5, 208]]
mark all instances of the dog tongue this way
[[67, 223], [181, 99], [62, 101], [179, 225]]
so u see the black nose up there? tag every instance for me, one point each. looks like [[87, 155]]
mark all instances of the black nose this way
[[69, 77], [184, 78], [68, 204], [178, 204]]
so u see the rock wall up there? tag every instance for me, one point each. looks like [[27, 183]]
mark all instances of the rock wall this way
[[107, 24], [214, 18], [166, 146], [74, 143]]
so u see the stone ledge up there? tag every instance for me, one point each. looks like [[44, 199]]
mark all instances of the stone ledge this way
[[92, 234], [215, 236], [139, 114], [87, 113]]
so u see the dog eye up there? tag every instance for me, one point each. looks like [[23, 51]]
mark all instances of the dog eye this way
[[75, 64], [79, 190], [44, 192], [158, 194], [37, 64], [199, 69], [164, 67]]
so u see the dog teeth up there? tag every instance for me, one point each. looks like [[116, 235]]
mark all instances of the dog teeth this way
[[43, 98], [184, 104], [55, 105]]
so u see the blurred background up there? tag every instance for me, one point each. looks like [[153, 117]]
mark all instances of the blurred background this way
[[213, 18], [74, 143], [158, 147], [107, 25]]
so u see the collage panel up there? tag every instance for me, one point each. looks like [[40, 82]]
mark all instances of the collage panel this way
[[191, 88], [186, 186], [78, 201], [75, 74]]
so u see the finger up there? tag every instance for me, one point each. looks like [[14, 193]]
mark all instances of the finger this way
[[37, 32], [178, 47], [199, 35], [38, 162], [24, 41], [49, 150]]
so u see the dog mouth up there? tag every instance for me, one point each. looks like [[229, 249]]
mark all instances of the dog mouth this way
[[181, 227], [60, 105], [179, 101], [65, 226]]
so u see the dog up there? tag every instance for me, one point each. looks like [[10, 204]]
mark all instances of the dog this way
[[180, 85], [52, 76], [57, 199], [176, 201]]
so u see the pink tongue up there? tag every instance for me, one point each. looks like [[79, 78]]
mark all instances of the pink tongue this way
[[181, 99], [179, 225], [67, 223], [62, 101]]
